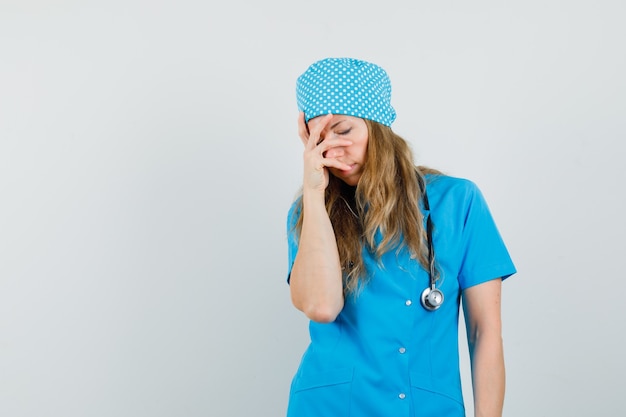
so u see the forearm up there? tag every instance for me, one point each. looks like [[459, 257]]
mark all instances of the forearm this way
[[488, 374], [316, 281]]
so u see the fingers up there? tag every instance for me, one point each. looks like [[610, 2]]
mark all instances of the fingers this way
[[316, 128], [320, 153], [333, 144], [303, 129], [328, 153], [335, 163]]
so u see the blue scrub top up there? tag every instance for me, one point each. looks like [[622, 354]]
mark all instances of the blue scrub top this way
[[385, 355]]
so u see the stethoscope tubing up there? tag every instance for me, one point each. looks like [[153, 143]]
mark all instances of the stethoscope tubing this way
[[432, 297]]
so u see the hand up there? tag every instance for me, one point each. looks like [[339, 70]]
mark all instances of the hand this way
[[316, 163]]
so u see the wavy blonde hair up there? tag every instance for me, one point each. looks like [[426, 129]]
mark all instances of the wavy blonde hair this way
[[386, 199]]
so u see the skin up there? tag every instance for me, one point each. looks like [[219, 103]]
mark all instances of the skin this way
[[337, 145], [481, 308]]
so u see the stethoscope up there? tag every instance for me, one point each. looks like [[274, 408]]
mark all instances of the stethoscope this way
[[432, 297]]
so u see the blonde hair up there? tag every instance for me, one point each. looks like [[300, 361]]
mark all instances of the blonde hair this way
[[386, 200]]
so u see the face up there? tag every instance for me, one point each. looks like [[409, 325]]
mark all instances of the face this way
[[350, 128]]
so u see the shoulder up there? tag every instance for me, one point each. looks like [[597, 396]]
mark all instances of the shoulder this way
[[455, 199], [295, 206], [294, 212], [440, 186]]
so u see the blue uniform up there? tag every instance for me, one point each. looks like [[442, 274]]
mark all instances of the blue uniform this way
[[385, 355]]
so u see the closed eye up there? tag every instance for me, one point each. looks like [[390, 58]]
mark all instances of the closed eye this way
[[344, 132]]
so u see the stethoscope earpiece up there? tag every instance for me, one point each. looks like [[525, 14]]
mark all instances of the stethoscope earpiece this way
[[432, 298]]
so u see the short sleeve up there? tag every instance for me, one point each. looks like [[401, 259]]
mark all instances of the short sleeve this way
[[292, 238], [484, 254]]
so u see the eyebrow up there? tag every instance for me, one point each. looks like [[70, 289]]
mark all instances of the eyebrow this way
[[339, 122]]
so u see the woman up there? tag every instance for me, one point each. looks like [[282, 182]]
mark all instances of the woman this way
[[381, 255]]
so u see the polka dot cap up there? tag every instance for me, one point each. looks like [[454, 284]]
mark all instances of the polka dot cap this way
[[345, 86]]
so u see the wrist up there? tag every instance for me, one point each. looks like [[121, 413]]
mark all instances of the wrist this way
[[314, 196]]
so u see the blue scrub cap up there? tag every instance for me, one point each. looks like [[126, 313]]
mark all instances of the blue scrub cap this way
[[345, 86]]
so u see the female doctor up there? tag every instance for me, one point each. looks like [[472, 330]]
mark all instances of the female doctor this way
[[381, 256]]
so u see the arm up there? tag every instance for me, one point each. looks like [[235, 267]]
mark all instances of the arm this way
[[316, 283], [481, 307]]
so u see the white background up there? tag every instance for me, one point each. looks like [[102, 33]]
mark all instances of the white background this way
[[148, 156]]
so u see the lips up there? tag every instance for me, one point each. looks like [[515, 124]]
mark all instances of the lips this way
[[354, 166]]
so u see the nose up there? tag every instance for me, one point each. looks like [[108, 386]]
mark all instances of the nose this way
[[334, 152]]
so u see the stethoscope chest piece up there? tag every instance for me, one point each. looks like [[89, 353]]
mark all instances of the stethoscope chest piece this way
[[432, 298]]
